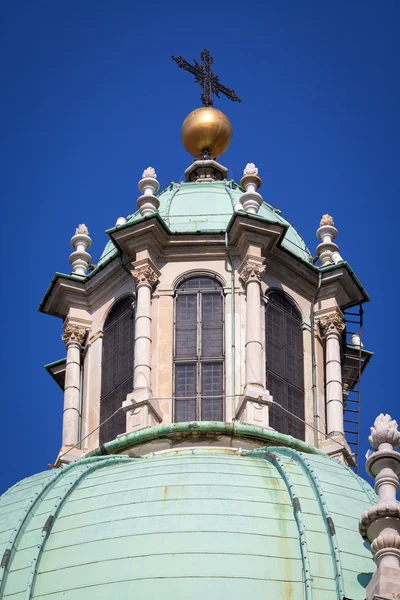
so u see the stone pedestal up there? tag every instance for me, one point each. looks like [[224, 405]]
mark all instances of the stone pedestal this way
[[253, 406], [142, 411], [384, 585]]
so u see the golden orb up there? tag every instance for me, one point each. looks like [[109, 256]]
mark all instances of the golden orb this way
[[206, 129]]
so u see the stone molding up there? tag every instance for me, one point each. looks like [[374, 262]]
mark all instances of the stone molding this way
[[73, 333], [251, 270], [96, 336], [332, 323], [145, 274]]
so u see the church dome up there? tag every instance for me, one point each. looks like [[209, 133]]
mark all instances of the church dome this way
[[272, 522], [197, 207]]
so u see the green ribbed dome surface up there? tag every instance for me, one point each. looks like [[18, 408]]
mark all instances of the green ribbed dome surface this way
[[204, 523], [208, 206]]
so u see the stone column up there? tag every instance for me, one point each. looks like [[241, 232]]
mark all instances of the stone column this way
[[145, 275], [251, 275], [380, 524], [250, 272], [332, 326], [73, 337]]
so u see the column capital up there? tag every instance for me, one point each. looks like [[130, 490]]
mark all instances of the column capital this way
[[73, 333], [332, 323], [145, 273], [252, 269]]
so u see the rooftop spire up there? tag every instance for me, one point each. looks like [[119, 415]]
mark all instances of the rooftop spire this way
[[206, 133]]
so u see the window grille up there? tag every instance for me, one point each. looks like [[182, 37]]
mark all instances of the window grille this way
[[199, 350], [285, 364], [117, 367]]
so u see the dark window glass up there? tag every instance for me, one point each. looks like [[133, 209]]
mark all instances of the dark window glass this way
[[285, 364], [199, 350], [117, 368]]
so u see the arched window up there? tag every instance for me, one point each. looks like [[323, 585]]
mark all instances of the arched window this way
[[285, 364], [199, 350], [117, 367]]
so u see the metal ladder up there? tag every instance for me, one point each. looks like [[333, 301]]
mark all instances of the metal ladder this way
[[351, 377]]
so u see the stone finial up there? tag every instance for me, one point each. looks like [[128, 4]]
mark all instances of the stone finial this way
[[328, 251], [120, 221], [380, 524], [149, 172], [326, 220], [80, 260], [82, 229], [355, 339], [148, 203], [251, 200], [250, 169], [385, 431]]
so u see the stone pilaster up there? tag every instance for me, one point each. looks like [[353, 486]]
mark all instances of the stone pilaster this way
[[73, 338], [146, 275], [380, 524], [253, 404]]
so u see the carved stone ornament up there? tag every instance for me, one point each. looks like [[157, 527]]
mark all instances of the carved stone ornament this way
[[252, 271], [145, 274], [149, 172], [332, 323], [384, 431], [385, 541], [378, 512], [250, 169], [73, 333], [82, 229], [326, 220]]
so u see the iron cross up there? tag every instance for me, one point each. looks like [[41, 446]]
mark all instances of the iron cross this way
[[204, 76]]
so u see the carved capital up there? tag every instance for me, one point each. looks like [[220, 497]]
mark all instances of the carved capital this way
[[73, 333], [384, 431], [332, 323], [145, 274], [251, 270]]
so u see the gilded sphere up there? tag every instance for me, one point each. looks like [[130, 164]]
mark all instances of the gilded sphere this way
[[206, 129]]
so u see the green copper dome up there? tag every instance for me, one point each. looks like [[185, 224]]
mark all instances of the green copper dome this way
[[198, 207], [218, 523]]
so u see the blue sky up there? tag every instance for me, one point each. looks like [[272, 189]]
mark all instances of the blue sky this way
[[90, 97]]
